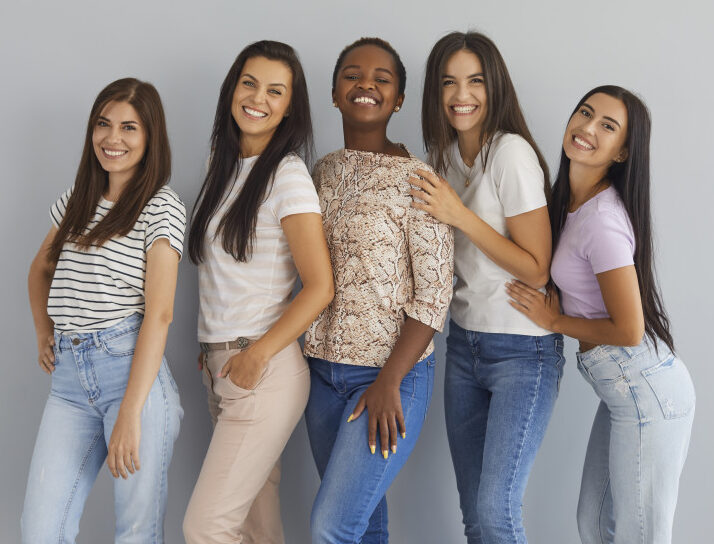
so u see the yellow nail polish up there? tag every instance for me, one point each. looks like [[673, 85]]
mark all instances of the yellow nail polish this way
[[404, 435], [372, 449], [385, 453], [350, 418], [394, 449]]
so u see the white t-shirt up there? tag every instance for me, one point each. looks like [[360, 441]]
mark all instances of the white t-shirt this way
[[511, 184], [245, 299]]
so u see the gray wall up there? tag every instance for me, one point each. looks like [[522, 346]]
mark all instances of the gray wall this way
[[55, 57]]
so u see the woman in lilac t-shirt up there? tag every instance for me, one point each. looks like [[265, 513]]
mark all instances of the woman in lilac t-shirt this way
[[602, 266]]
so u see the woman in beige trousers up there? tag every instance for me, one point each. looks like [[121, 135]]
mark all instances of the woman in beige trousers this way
[[257, 225]]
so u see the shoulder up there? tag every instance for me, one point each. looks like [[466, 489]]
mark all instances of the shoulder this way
[[609, 208], [506, 147], [166, 199]]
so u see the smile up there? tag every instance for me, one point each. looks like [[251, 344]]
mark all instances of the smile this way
[[113, 154], [257, 114], [365, 100], [463, 109], [582, 144]]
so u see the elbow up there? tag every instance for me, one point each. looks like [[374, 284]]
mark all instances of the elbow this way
[[632, 336], [537, 280], [162, 318], [328, 293]]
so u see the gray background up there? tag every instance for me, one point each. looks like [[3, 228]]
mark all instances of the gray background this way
[[56, 56]]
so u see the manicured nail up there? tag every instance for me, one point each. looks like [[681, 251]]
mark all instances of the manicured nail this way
[[352, 416], [372, 448], [394, 449], [404, 435], [385, 453]]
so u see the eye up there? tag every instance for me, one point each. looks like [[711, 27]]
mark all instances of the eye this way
[[382, 80], [476, 81], [447, 82], [129, 127], [609, 127], [351, 77], [101, 123], [585, 113], [276, 92], [248, 83]]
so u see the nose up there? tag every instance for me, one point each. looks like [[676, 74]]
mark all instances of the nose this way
[[115, 134], [366, 83], [462, 93]]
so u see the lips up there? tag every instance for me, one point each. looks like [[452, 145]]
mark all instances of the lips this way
[[463, 109], [253, 113], [581, 143], [114, 153], [365, 99]]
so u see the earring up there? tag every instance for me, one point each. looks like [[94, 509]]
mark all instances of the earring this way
[[396, 108], [334, 103]]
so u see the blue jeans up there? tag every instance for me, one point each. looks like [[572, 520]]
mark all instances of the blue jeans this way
[[499, 394], [88, 384], [350, 506], [637, 446]]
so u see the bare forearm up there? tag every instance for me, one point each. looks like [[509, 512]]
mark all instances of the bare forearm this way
[[597, 331], [38, 284], [413, 341], [503, 251]]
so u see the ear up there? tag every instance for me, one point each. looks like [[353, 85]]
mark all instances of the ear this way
[[400, 101], [622, 155]]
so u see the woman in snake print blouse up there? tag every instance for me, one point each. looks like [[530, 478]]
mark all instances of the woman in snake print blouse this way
[[371, 349]]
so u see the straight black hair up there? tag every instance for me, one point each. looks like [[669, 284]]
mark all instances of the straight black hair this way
[[631, 180], [293, 135]]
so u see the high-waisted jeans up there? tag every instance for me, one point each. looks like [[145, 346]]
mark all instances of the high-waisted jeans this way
[[88, 385], [638, 444], [350, 507], [499, 394]]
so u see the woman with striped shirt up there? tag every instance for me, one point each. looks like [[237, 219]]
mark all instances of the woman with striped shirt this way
[[101, 291]]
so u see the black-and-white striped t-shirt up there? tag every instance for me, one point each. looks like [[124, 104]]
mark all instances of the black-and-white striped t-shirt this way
[[95, 288]]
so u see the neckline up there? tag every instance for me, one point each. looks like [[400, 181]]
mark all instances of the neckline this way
[[592, 199], [346, 151]]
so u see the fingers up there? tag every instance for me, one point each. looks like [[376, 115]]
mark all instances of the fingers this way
[[402, 424], [112, 464], [225, 370], [357, 411], [201, 360], [392, 421], [429, 177], [421, 195], [372, 432], [128, 463], [384, 435]]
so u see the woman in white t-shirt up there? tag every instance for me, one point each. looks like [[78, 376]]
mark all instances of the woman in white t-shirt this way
[[502, 371], [257, 225]]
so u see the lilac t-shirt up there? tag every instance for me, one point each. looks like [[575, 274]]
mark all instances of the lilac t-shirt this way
[[597, 237]]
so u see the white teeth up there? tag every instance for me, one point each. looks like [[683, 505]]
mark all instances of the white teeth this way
[[463, 109], [578, 140], [114, 153], [254, 113], [365, 100]]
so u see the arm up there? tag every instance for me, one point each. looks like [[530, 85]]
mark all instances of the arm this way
[[526, 255], [159, 289], [39, 280], [621, 294], [312, 260]]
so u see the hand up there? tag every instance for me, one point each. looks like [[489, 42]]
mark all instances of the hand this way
[[384, 408], [244, 369], [201, 360], [542, 309], [46, 353], [439, 199], [123, 449]]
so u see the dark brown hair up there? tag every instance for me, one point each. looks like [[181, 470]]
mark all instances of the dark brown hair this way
[[631, 180], [293, 135], [92, 181], [382, 44], [503, 113]]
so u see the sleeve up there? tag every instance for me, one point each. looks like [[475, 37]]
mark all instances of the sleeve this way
[[165, 218], [610, 242], [58, 209], [431, 252], [293, 190], [518, 176]]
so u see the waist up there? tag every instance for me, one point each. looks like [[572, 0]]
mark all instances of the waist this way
[[68, 339]]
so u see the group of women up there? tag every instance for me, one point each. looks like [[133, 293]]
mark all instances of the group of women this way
[[376, 236]]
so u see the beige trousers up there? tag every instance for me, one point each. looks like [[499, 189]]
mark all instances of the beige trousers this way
[[236, 498]]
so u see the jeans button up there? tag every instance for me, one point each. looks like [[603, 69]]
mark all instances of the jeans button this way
[[76, 341]]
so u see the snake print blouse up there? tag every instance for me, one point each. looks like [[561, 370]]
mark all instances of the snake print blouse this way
[[389, 260]]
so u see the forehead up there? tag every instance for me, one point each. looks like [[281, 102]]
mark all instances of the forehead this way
[[372, 56], [463, 61], [120, 111], [268, 70], [608, 106]]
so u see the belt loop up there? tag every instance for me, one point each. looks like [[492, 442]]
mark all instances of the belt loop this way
[[228, 346], [58, 342], [95, 337]]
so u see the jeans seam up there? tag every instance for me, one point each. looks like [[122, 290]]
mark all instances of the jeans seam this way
[[92, 445], [600, 510]]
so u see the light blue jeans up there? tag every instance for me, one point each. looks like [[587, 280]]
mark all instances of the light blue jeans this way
[[350, 507], [499, 394], [88, 384], [637, 446]]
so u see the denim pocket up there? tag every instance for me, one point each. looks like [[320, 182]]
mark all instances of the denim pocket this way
[[607, 371], [121, 345], [672, 387]]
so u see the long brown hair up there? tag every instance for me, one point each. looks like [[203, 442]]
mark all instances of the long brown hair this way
[[293, 135], [92, 180], [502, 114], [631, 180]]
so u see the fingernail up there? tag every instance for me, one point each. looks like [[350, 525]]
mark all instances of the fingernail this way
[[385, 453], [352, 416], [394, 449], [404, 435], [372, 449]]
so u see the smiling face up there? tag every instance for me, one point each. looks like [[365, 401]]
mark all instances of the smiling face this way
[[260, 102], [597, 132], [367, 86], [119, 140], [463, 92]]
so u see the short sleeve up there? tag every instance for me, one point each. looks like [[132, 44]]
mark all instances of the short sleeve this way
[[293, 190], [58, 209], [610, 242], [431, 252], [165, 217], [517, 176]]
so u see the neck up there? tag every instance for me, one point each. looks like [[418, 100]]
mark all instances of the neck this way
[[251, 146], [469, 146], [585, 183], [117, 182], [366, 139]]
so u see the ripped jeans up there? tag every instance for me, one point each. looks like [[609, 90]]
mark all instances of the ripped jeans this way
[[637, 446]]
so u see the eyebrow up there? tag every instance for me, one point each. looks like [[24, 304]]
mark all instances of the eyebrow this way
[[269, 85], [480, 74], [122, 123], [588, 106], [376, 69]]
